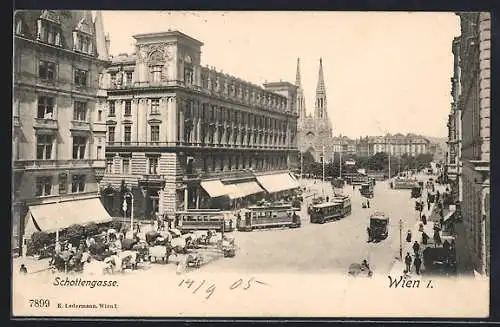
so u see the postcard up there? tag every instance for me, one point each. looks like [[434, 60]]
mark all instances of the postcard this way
[[251, 164]]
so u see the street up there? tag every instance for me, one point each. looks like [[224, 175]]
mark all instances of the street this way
[[330, 247]]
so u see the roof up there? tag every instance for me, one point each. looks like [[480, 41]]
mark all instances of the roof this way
[[326, 204], [378, 215]]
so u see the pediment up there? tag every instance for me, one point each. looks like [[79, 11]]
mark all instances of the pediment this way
[[84, 26], [51, 15], [154, 121]]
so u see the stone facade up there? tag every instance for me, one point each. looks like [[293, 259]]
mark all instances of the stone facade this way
[[58, 135], [474, 137], [172, 124]]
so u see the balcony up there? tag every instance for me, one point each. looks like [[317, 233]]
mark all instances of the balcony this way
[[152, 181], [56, 164], [45, 123], [77, 125]]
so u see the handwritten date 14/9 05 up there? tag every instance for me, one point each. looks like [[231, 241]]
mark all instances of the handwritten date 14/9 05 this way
[[209, 291]]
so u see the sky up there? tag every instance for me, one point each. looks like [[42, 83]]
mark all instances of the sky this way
[[384, 72]]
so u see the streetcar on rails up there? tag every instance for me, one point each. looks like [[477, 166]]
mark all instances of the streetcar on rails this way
[[204, 219], [324, 212], [345, 200], [268, 216]]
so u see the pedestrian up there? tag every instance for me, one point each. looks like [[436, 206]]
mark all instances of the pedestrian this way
[[416, 247], [417, 263], [327, 198], [353, 187], [408, 236], [368, 230], [408, 261], [428, 205], [368, 203], [425, 238], [23, 270], [437, 195], [424, 220]]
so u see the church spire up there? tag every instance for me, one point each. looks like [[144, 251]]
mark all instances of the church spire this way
[[301, 103], [320, 111], [298, 82]]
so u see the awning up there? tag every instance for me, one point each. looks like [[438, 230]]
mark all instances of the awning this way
[[277, 182], [214, 188], [249, 188], [233, 191], [51, 217]]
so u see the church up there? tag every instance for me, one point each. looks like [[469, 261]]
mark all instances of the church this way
[[315, 132]]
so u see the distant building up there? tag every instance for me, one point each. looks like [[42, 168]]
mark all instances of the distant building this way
[[183, 136], [58, 131]]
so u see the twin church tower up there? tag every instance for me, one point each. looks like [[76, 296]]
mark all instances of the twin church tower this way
[[314, 132]]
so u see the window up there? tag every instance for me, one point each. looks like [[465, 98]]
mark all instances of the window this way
[[78, 183], [80, 111], [126, 166], [188, 75], [111, 112], [156, 74], [153, 166], [79, 145], [19, 27], [113, 79], [81, 77], [44, 147], [43, 186], [128, 108], [127, 134], [47, 70], [83, 43], [99, 115], [128, 78], [109, 165], [49, 33], [45, 107], [155, 133], [99, 152], [111, 134], [63, 183], [155, 106]]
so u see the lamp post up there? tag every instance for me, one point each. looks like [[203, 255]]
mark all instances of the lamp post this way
[[401, 239], [124, 207]]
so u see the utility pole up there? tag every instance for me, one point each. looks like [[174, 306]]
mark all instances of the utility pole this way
[[323, 184], [389, 162], [301, 164], [340, 163]]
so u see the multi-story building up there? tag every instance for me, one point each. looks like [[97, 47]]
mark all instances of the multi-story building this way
[[58, 133], [181, 136], [473, 241], [396, 145]]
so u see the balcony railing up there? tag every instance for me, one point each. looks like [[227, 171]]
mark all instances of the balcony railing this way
[[80, 125], [47, 123], [196, 145], [150, 180], [52, 163]]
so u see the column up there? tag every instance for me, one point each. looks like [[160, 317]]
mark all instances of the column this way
[[141, 115], [199, 108], [164, 126], [135, 119], [171, 120], [198, 198], [180, 113], [186, 198]]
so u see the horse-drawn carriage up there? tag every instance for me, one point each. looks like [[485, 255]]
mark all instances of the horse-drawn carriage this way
[[360, 270]]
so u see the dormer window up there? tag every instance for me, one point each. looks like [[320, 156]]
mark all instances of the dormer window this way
[[49, 32], [82, 37]]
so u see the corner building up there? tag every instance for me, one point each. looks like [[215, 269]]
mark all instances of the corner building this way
[[58, 135], [183, 136]]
